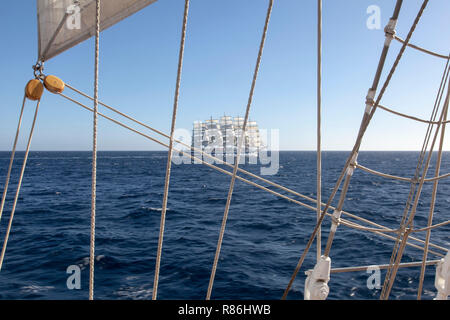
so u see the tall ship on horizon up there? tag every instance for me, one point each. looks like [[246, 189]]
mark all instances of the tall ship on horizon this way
[[221, 137]]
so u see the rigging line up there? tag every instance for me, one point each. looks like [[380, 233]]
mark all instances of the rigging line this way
[[253, 183], [409, 117], [382, 61], [169, 156], [438, 225], [422, 49], [417, 172], [438, 178], [220, 161], [416, 201], [362, 228], [11, 161], [419, 165], [94, 154], [338, 209], [368, 116], [381, 174], [364, 125], [236, 165], [383, 266], [230, 165], [432, 206], [413, 186], [319, 125], [410, 33], [19, 185]]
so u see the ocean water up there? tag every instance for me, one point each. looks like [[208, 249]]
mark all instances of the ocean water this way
[[264, 238]]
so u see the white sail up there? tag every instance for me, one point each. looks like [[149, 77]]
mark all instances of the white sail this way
[[63, 24]]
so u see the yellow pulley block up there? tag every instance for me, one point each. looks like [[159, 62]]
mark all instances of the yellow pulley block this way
[[34, 90], [54, 84]]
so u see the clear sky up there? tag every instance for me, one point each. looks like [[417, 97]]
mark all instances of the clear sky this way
[[139, 61]]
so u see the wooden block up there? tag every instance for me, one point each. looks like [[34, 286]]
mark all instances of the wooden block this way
[[34, 89], [54, 84]]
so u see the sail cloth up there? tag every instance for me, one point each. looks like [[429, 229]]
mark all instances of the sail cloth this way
[[63, 24]]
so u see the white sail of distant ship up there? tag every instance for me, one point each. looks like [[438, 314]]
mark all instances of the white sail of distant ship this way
[[221, 137]]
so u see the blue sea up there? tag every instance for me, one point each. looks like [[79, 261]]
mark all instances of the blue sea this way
[[264, 238]]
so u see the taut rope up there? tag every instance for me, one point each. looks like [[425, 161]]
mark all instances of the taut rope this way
[[433, 202], [19, 185], [239, 169], [319, 125], [94, 156], [11, 161], [236, 164], [169, 156]]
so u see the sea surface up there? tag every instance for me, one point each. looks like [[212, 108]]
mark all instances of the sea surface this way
[[264, 238]]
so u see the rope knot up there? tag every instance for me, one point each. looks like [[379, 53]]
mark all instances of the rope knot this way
[[389, 31], [336, 218], [415, 180], [353, 164], [370, 100]]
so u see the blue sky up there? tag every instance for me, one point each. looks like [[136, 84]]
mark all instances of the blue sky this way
[[139, 61]]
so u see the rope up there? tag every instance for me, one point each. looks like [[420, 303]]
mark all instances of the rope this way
[[259, 186], [401, 178], [438, 178], [356, 226], [11, 161], [384, 175], [418, 168], [422, 49], [366, 119], [432, 205], [410, 117], [236, 165], [319, 125], [338, 209], [19, 185], [417, 172], [419, 165], [383, 266], [169, 156], [220, 161], [94, 155], [438, 225], [390, 281], [228, 164]]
